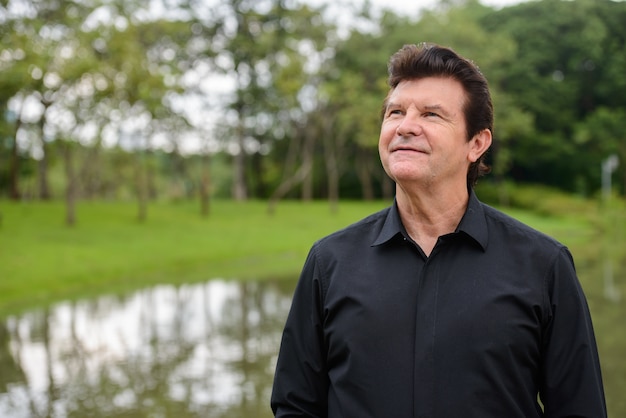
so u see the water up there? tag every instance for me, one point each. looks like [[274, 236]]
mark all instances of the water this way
[[205, 350]]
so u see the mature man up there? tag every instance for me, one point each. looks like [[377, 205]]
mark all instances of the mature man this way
[[438, 306]]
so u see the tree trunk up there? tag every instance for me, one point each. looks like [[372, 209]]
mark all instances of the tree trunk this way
[[364, 173], [14, 165], [152, 191], [141, 182], [205, 186], [291, 179], [286, 186], [90, 173], [260, 188], [332, 165], [333, 179], [70, 191], [42, 174], [308, 157], [14, 173], [240, 191], [42, 166]]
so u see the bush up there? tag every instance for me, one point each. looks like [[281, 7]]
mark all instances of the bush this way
[[537, 198]]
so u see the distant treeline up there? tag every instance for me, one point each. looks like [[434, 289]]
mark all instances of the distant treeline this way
[[272, 99]]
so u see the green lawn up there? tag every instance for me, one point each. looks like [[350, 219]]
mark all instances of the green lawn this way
[[42, 260]]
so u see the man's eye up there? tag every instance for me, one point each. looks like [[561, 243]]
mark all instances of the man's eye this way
[[431, 114]]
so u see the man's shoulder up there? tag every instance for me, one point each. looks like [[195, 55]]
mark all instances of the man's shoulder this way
[[363, 231], [501, 222]]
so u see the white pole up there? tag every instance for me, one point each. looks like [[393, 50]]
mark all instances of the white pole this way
[[608, 166]]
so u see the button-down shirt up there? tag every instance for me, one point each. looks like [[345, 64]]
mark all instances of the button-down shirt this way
[[492, 318]]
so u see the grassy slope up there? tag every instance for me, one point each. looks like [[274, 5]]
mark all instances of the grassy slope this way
[[108, 250]]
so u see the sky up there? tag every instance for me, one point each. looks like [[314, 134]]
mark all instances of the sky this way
[[412, 7], [336, 9]]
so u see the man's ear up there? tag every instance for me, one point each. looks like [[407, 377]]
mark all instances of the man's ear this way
[[479, 144]]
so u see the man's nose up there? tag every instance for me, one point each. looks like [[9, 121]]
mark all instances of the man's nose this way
[[410, 125]]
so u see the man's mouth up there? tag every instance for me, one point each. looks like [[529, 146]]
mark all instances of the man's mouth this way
[[408, 149]]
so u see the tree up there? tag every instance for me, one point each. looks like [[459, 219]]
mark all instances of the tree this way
[[259, 43], [46, 41], [600, 135], [568, 55], [353, 94]]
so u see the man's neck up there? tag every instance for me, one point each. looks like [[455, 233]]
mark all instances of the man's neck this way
[[427, 215]]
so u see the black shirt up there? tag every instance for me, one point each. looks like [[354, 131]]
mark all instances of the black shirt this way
[[492, 318]]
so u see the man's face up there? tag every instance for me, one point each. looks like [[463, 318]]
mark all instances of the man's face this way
[[423, 137]]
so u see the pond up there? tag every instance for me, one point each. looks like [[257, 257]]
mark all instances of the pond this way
[[204, 350], [200, 350]]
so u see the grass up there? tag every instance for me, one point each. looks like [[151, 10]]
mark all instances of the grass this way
[[42, 260], [108, 251]]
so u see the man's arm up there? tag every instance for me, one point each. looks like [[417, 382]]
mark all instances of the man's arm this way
[[572, 381], [301, 379]]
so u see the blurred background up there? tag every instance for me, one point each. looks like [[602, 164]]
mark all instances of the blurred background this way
[[165, 165]]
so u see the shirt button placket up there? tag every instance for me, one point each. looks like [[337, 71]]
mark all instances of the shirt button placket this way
[[424, 372]]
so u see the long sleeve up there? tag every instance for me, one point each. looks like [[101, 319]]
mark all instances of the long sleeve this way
[[572, 381], [301, 381]]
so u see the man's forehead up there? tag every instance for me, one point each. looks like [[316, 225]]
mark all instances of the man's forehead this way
[[433, 93]]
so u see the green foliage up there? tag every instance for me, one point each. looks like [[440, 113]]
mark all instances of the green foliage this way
[[567, 55], [304, 95], [600, 135], [540, 199]]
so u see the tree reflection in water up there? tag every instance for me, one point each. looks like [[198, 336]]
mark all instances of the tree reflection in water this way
[[196, 350]]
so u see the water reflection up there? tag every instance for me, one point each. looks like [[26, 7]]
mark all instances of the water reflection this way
[[205, 350], [197, 350]]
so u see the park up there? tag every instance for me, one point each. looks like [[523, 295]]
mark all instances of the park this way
[[162, 179]]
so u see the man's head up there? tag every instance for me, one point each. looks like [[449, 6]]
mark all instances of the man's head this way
[[414, 62]]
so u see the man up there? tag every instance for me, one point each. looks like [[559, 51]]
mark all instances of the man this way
[[438, 306]]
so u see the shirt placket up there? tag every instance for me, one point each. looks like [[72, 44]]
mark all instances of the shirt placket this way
[[425, 396]]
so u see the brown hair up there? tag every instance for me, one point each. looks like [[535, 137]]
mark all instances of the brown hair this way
[[428, 60]]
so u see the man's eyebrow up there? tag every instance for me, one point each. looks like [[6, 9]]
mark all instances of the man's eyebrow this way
[[436, 107], [386, 106]]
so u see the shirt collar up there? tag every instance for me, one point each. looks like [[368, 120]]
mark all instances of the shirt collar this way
[[392, 226], [473, 223]]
